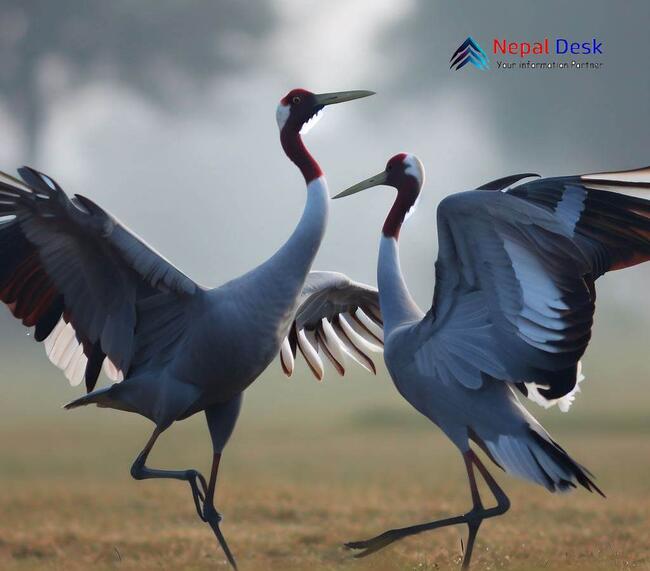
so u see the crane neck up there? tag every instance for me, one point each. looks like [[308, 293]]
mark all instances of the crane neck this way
[[397, 305], [408, 192], [272, 289], [297, 152]]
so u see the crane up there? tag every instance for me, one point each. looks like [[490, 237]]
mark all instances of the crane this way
[[512, 311], [99, 297]]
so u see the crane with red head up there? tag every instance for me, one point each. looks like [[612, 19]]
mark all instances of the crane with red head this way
[[512, 312], [99, 296]]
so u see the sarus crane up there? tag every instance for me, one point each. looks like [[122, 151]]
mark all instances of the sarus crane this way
[[512, 311], [98, 296]]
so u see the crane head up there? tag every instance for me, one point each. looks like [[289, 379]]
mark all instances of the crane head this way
[[299, 109], [404, 171]]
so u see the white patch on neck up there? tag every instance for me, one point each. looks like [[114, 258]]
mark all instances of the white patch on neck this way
[[415, 168], [309, 125], [413, 208], [282, 115]]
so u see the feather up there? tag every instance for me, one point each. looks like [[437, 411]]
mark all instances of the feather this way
[[349, 325], [354, 351], [374, 329], [286, 357], [61, 344], [334, 344], [311, 355]]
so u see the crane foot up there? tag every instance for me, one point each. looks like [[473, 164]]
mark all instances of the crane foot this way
[[213, 518]]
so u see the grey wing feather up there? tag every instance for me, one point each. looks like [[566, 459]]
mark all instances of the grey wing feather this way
[[145, 260], [76, 274], [337, 319], [514, 297]]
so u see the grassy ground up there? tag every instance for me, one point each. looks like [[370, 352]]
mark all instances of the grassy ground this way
[[309, 467]]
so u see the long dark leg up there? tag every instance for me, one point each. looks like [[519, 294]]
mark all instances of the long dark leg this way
[[196, 480], [477, 505], [472, 519], [202, 492], [221, 422], [211, 515]]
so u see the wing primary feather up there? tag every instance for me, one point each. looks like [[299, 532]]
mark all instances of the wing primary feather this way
[[71, 370], [53, 336], [61, 343], [374, 313], [94, 366], [359, 340], [322, 343], [355, 352], [334, 344], [311, 355], [369, 325], [286, 357], [48, 321]]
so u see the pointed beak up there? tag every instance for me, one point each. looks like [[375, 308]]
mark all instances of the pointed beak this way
[[340, 96], [376, 180]]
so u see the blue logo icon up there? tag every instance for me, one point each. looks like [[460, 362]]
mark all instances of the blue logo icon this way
[[469, 52]]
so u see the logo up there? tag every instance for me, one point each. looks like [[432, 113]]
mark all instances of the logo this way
[[469, 52], [532, 54]]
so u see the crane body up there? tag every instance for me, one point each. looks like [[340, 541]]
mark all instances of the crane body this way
[[236, 331], [512, 311], [98, 296]]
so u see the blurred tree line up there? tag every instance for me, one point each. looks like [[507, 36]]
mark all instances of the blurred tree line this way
[[160, 48]]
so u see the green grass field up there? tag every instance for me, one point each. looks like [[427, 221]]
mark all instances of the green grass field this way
[[309, 467]]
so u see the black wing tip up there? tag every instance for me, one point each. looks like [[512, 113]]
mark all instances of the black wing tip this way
[[92, 207], [38, 180], [506, 181]]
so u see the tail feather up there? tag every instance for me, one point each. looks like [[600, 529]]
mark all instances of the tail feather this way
[[537, 458], [103, 398], [554, 456]]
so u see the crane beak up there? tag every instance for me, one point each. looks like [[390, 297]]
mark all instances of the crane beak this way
[[340, 96], [376, 180]]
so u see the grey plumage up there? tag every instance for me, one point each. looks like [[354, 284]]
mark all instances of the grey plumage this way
[[97, 296], [512, 310], [70, 260]]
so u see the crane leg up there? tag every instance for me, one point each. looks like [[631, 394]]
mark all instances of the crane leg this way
[[472, 519], [197, 482], [221, 418], [202, 492], [212, 516]]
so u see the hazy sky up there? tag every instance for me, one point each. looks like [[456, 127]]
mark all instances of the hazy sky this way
[[206, 181]]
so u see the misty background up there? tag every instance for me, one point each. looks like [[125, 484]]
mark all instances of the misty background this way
[[164, 113]]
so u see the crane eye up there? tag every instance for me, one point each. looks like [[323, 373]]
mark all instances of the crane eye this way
[[296, 99], [389, 168]]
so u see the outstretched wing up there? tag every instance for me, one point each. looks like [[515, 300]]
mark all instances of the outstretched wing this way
[[78, 276], [515, 290], [336, 318]]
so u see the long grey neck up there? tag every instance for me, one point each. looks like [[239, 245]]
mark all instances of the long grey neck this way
[[397, 305], [293, 260], [278, 282]]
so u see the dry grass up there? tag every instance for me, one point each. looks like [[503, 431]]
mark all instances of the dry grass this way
[[309, 467], [292, 495]]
